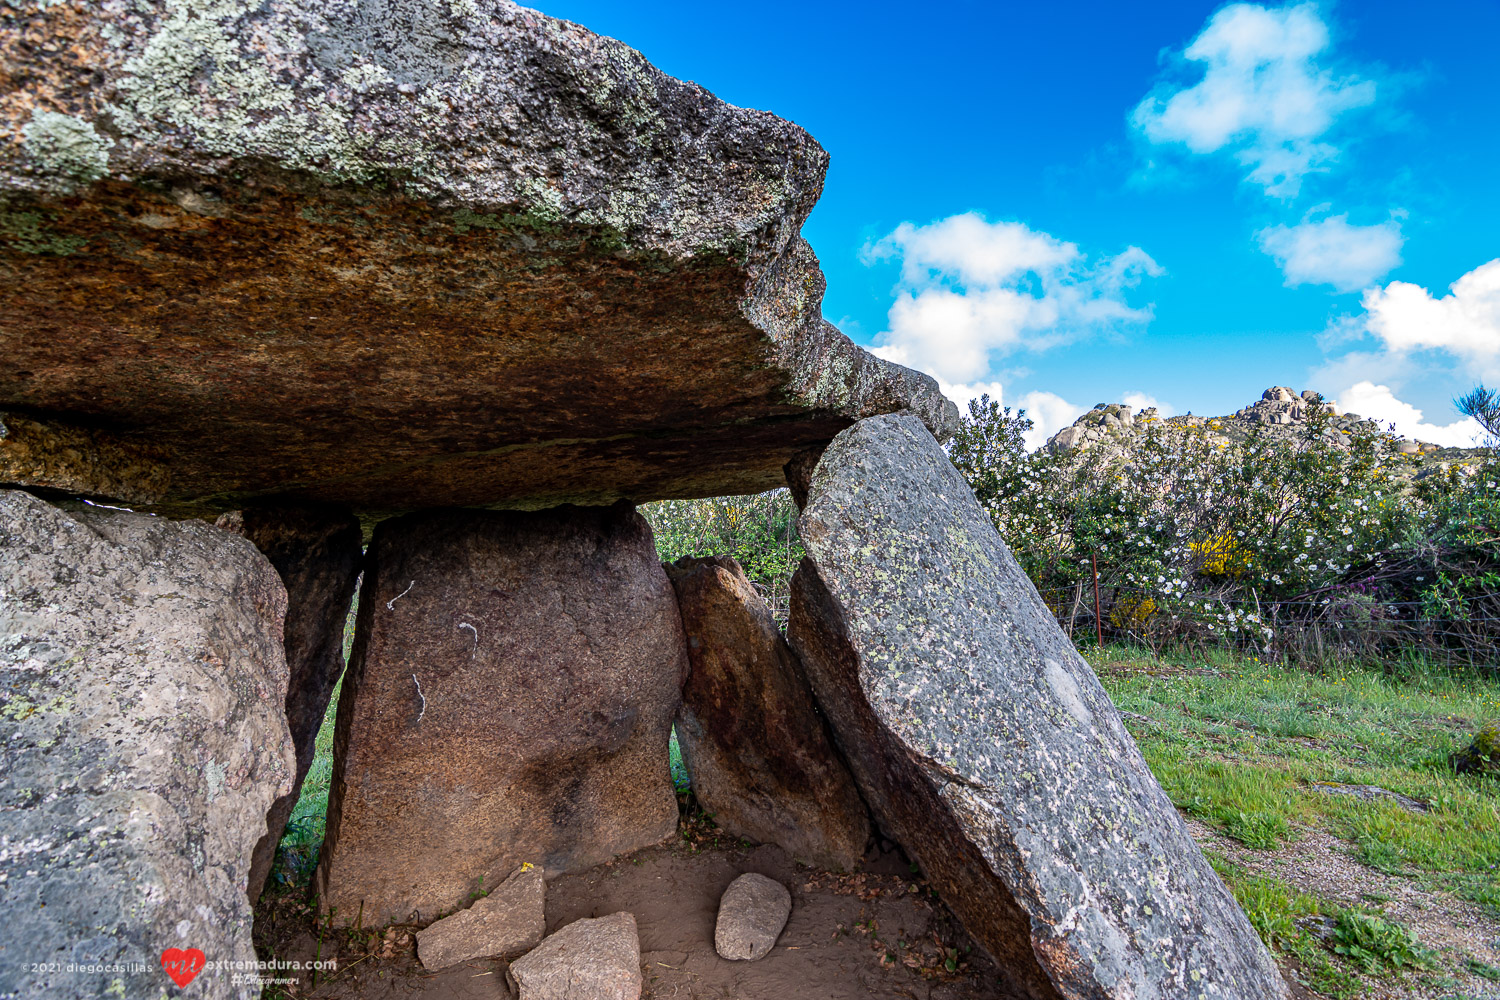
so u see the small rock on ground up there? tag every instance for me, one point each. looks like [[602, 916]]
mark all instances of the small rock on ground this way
[[591, 959], [508, 921], [752, 913]]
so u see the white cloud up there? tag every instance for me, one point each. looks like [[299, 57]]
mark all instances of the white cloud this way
[[1465, 322], [971, 289], [1139, 401], [1332, 252], [1378, 401], [1263, 96]]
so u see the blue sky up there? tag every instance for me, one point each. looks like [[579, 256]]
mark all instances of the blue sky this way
[[1178, 202]]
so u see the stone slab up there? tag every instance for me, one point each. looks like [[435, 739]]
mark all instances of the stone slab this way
[[986, 747], [403, 255], [508, 700], [142, 739], [506, 921], [317, 552], [591, 959], [757, 751]]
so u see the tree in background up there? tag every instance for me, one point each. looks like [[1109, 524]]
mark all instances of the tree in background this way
[[759, 531], [1484, 406]]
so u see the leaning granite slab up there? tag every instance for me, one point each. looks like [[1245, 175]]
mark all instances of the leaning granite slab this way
[[317, 552], [591, 959], [509, 700], [141, 742], [758, 753], [986, 747], [508, 920], [402, 255]]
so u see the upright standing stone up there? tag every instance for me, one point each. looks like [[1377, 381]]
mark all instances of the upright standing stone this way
[[142, 740], [317, 552], [509, 699], [985, 745], [758, 753]]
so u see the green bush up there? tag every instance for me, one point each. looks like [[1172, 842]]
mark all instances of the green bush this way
[[1303, 547], [759, 531]]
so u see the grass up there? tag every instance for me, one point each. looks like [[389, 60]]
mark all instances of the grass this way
[[1241, 745]]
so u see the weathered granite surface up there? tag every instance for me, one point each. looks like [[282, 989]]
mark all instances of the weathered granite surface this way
[[508, 920], [590, 959], [509, 699], [317, 552], [394, 255], [984, 744], [759, 755], [752, 914], [141, 742]]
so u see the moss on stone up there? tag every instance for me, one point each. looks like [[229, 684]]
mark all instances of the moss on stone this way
[[29, 232], [1482, 755]]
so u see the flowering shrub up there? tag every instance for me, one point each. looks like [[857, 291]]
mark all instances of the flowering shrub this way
[[1248, 542]]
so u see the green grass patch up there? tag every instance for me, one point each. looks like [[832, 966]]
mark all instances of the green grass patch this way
[[1240, 745]]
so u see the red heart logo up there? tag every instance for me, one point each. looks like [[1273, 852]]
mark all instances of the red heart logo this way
[[183, 966]]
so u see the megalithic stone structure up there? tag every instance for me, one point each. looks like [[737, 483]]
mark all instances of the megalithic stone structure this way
[[509, 700], [986, 747]]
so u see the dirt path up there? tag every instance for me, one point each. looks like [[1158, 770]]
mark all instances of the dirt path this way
[[875, 935]]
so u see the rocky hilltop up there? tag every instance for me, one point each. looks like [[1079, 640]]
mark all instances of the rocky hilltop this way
[[1281, 414]]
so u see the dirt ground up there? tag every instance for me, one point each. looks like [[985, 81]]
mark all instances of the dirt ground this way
[[878, 934]]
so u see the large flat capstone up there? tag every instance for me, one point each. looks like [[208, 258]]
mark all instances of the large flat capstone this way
[[984, 744], [509, 700], [142, 740], [401, 255]]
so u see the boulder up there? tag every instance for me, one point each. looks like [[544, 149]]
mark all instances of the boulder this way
[[752, 913], [509, 699], [757, 751], [508, 920], [142, 740], [986, 747], [403, 255], [590, 959], [317, 552]]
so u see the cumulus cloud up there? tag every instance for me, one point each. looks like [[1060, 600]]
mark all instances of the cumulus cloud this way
[[1378, 401], [1465, 322], [971, 289], [1332, 252], [1264, 96]]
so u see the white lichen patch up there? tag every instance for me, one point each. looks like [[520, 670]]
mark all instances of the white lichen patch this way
[[68, 150]]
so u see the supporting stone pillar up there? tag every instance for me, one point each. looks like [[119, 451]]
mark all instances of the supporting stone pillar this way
[[317, 551], [759, 754], [142, 740], [984, 744], [509, 699]]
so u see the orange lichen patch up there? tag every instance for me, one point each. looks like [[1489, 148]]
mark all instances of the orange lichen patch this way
[[48, 57]]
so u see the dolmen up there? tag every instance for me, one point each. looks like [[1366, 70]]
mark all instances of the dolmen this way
[[301, 297]]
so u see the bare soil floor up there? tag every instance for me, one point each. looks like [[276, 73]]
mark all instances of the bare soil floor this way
[[878, 934]]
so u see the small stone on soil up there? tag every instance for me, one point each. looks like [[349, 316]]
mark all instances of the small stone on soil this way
[[752, 913]]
